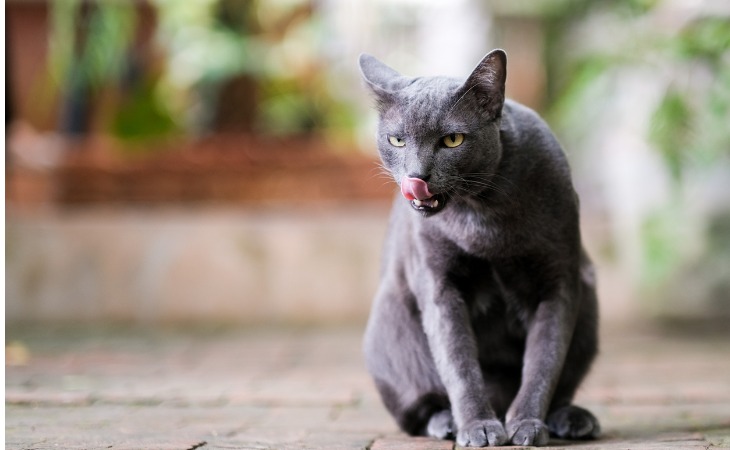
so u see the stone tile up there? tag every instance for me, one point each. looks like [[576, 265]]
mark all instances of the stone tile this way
[[411, 443], [361, 417], [719, 437], [308, 389]]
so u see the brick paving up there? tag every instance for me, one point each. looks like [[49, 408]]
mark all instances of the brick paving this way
[[89, 388]]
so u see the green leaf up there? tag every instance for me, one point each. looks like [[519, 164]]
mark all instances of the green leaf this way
[[141, 117], [670, 130], [660, 234], [707, 38]]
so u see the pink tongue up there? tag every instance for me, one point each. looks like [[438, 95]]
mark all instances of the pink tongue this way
[[414, 188]]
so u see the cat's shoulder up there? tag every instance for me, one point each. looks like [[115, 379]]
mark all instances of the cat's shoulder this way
[[519, 117], [521, 126]]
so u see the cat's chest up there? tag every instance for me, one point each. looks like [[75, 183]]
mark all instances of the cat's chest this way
[[478, 233]]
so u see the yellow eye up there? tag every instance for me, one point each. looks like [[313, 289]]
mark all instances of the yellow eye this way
[[453, 140], [396, 142]]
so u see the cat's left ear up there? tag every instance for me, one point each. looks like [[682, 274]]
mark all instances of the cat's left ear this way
[[487, 82]]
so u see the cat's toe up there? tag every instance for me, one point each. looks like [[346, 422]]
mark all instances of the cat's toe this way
[[481, 433], [573, 422], [441, 425], [528, 432]]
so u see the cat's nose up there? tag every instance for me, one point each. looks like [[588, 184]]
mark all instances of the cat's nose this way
[[414, 189]]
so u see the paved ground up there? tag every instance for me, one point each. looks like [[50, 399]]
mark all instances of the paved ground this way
[[307, 389]]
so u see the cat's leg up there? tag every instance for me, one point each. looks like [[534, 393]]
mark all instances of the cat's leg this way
[[398, 358], [548, 340], [561, 344], [452, 343], [566, 420]]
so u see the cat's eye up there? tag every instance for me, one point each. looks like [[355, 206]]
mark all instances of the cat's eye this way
[[453, 140], [396, 142]]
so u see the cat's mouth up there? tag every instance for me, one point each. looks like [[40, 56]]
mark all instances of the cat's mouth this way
[[416, 190], [429, 205]]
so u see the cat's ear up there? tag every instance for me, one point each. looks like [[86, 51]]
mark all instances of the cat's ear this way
[[487, 82], [382, 80]]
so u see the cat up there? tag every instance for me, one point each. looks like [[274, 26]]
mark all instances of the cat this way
[[485, 320]]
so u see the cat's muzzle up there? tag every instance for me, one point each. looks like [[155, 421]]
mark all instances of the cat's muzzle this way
[[422, 199]]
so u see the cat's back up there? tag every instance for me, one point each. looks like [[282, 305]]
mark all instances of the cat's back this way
[[526, 135]]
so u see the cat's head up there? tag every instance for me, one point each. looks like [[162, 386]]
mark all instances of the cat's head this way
[[437, 136]]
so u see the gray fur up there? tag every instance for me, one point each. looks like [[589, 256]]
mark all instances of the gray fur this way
[[485, 320]]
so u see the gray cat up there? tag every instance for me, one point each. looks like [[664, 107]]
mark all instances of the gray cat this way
[[485, 321]]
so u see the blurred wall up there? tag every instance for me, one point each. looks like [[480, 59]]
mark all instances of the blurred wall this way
[[179, 225], [263, 266]]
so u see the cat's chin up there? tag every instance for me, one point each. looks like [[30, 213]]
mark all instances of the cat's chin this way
[[429, 206]]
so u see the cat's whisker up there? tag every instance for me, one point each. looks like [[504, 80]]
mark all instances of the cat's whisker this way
[[476, 187], [490, 175], [384, 175], [380, 171], [488, 186], [486, 179]]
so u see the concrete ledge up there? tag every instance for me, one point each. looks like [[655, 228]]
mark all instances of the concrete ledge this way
[[272, 265]]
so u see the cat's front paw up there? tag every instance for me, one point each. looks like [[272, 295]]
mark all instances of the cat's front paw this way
[[528, 432], [481, 433]]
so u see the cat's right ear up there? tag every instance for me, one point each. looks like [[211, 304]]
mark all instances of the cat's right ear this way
[[382, 80]]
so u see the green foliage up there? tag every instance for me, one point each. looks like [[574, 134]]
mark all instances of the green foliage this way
[[688, 126], [583, 79], [661, 232], [201, 46], [671, 131], [90, 41], [695, 120], [90, 49], [206, 44], [275, 43], [285, 109], [714, 139], [288, 108], [140, 117], [707, 38], [636, 7]]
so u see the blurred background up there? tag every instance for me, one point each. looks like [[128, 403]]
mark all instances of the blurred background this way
[[213, 161]]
